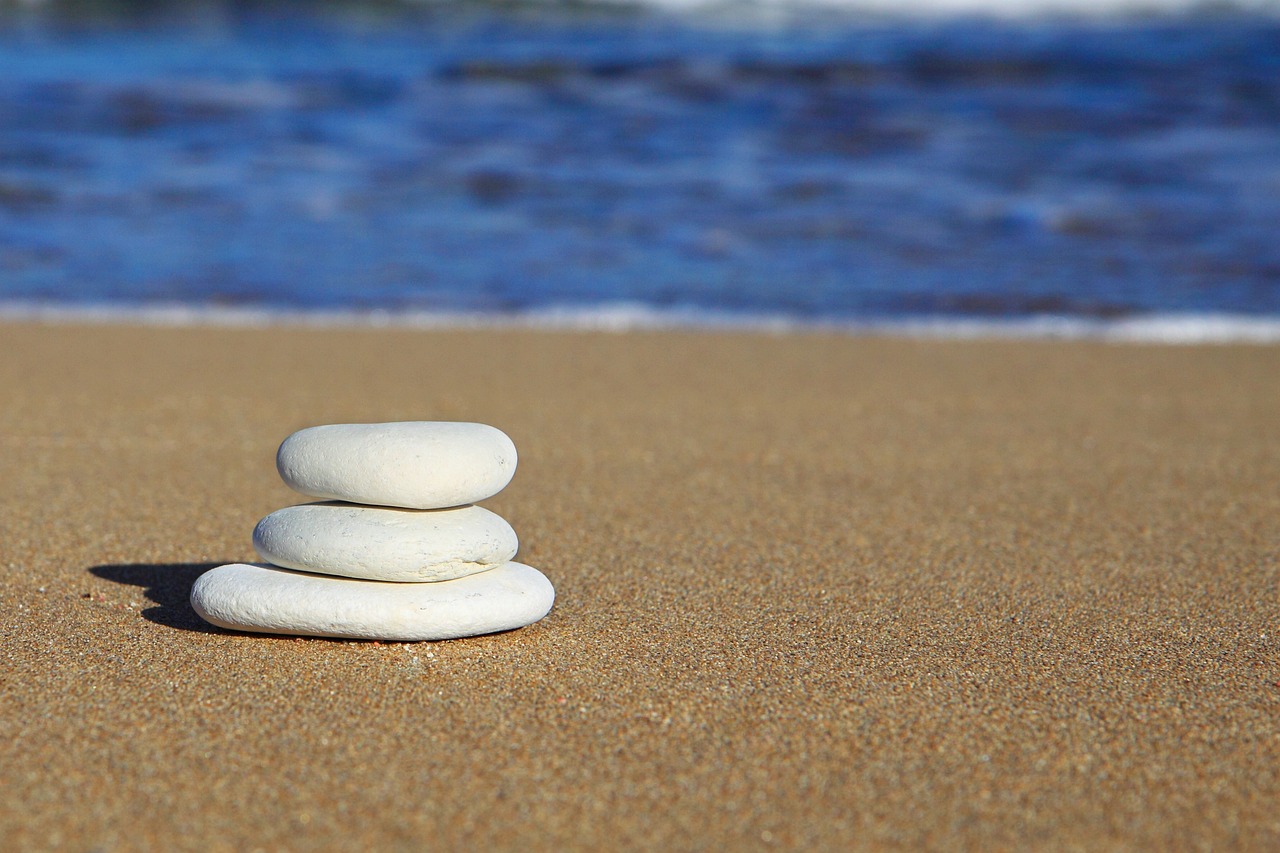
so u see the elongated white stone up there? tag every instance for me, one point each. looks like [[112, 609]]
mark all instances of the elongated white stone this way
[[272, 600], [413, 464], [384, 544]]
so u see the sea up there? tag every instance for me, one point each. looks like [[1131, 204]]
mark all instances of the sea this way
[[1094, 169]]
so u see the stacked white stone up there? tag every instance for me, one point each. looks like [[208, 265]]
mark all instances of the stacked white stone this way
[[399, 554]]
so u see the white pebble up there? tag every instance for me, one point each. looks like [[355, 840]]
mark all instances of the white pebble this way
[[279, 601], [413, 464], [383, 544]]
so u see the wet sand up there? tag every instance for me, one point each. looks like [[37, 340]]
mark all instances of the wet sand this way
[[814, 592]]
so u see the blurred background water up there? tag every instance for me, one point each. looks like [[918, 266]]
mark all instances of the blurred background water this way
[[777, 161]]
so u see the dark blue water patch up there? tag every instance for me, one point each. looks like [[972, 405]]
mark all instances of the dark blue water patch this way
[[968, 169]]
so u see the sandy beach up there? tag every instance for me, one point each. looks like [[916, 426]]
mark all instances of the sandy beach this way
[[814, 592]]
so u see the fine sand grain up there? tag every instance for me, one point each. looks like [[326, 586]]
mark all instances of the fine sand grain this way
[[814, 593]]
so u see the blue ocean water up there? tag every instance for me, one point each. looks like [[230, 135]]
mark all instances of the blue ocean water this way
[[839, 171]]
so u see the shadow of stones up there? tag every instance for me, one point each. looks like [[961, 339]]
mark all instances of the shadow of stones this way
[[166, 584]]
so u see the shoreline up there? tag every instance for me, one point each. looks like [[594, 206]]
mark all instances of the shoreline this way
[[1169, 328]]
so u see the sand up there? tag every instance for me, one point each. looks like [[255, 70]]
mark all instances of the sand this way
[[815, 592]]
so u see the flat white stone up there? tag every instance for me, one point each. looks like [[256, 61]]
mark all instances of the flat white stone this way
[[272, 600], [413, 464], [384, 544]]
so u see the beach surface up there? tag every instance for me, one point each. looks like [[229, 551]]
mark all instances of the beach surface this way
[[814, 592]]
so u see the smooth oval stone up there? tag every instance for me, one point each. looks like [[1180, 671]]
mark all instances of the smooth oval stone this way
[[272, 600], [414, 464], [383, 544]]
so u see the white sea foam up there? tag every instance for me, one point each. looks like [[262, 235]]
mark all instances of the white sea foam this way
[[1182, 329]]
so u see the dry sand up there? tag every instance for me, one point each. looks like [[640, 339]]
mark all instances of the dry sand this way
[[814, 592]]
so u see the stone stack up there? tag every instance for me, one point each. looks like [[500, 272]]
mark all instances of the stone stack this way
[[398, 552]]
